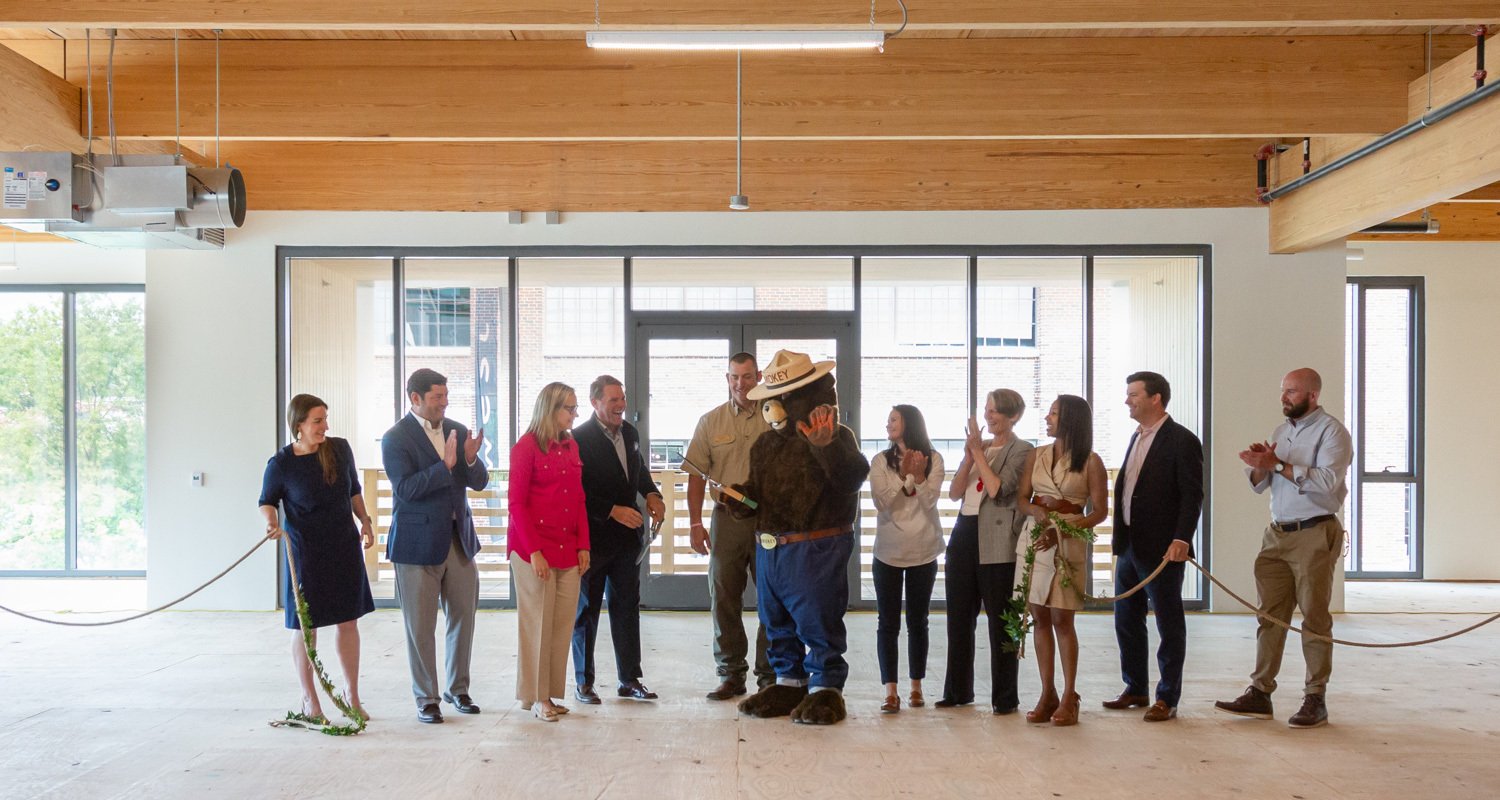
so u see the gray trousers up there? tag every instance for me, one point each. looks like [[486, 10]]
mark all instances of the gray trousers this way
[[420, 589], [731, 567], [1295, 570]]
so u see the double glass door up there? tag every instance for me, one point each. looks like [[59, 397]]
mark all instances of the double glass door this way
[[679, 373]]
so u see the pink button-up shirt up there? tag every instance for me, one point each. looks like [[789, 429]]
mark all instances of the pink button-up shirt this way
[[547, 511], [1144, 436]]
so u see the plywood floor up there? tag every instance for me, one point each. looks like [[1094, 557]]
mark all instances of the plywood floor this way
[[176, 706]]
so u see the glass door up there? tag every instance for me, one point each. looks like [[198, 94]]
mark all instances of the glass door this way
[[679, 370]]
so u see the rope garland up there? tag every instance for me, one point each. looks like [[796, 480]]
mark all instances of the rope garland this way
[[149, 612]]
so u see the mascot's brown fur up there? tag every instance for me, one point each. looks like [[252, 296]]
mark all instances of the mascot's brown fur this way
[[799, 487]]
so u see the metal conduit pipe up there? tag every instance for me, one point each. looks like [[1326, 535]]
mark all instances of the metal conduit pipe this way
[[1425, 121]]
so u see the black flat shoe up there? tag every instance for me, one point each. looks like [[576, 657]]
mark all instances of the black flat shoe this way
[[463, 703], [948, 702], [430, 714], [585, 695], [636, 691]]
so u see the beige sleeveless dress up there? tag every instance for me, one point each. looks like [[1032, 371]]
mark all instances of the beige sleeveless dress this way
[[1054, 480]]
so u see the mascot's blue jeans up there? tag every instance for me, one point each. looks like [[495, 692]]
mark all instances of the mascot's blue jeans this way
[[803, 591]]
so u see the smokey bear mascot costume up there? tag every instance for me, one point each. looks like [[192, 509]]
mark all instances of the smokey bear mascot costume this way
[[805, 476]]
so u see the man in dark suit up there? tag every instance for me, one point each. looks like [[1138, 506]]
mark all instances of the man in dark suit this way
[[431, 461], [615, 476], [1158, 497]]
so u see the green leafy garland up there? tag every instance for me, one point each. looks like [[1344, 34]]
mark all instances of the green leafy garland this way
[[1017, 614], [319, 722]]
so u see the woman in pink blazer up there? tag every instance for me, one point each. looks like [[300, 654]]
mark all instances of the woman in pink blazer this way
[[548, 547]]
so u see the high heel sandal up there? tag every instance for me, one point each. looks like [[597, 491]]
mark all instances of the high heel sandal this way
[[544, 713], [1067, 714], [1045, 706]]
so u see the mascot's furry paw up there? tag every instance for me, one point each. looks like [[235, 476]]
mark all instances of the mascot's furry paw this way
[[820, 708], [776, 701]]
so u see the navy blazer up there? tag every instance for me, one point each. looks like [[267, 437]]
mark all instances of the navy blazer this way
[[1168, 495], [605, 486], [428, 495]]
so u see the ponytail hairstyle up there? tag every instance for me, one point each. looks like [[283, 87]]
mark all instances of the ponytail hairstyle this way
[[297, 412]]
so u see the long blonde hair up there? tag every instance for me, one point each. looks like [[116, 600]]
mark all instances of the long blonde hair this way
[[544, 414]]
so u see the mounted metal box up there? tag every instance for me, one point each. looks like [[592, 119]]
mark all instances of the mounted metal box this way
[[40, 187]]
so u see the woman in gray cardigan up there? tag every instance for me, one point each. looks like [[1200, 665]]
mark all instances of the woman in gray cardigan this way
[[980, 566]]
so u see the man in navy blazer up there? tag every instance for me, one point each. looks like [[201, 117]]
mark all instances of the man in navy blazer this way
[[1158, 498], [431, 462], [615, 476]]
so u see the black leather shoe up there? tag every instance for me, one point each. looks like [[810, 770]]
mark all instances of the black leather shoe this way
[[430, 714], [636, 691], [1313, 714], [729, 688], [463, 703], [1253, 703], [948, 702], [585, 694], [1002, 711]]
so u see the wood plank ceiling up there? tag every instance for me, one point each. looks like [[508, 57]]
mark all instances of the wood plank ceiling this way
[[497, 104]]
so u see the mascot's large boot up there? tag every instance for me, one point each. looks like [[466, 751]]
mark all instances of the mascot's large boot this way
[[820, 708], [777, 700]]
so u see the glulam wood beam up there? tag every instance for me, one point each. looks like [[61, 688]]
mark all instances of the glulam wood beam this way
[[38, 110], [919, 88], [1457, 222], [778, 176], [579, 14]]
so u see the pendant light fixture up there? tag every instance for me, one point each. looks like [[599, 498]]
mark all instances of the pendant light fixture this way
[[738, 201]]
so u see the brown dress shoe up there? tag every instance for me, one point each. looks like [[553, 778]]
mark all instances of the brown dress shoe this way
[[1045, 705], [728, 689], [1313, 714], [1127, 701], [891, 705], [917, 700], [1253, 703], [1067, 713], [1160, 712]]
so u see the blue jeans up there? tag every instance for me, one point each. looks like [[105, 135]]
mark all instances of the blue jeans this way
[[803, 591], [1165, 596], [918, 581]]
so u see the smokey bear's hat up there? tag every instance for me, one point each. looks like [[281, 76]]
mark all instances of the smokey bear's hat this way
[[788, 371]]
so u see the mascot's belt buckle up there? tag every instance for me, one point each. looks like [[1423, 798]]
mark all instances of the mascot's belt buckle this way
[[768, 541]]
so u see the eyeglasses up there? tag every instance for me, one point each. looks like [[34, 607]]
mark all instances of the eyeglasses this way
[[570, 409]]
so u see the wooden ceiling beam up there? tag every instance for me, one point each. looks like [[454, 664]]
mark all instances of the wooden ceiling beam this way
[[38, 110], [919, 88], [778, 176], [1457, 155], [579, 14]]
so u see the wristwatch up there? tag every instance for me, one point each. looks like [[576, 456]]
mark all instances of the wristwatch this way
[[1280, 465]]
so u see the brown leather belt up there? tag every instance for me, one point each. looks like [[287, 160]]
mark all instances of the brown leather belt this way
[[1062, 506], [771, 541], [1303, 524]]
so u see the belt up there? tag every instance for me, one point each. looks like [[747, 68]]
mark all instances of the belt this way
[[1062, 506], [771, 541], [1290, 527]]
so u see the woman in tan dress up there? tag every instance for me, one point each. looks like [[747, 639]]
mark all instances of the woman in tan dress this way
[[1068, 478]]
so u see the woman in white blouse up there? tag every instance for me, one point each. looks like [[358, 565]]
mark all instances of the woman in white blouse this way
[[905, 480]]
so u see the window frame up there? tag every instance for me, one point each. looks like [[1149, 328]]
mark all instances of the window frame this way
[[70, 292]]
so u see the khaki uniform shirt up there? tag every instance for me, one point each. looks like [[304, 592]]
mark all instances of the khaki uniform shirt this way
[[721, 443]]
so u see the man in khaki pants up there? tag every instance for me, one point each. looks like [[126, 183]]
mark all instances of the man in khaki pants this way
[[721, 446], [1304, 466]]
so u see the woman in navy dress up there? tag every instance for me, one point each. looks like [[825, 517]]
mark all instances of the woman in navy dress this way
[[314, 480]]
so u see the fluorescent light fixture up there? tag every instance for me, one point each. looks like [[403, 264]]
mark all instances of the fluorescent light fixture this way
[[737, 40]]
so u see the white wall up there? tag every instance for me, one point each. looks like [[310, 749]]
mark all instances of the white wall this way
[[71, 263], [211, 346], [1462, 283]]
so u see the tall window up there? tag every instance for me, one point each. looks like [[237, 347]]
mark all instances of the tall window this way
[[73, 430], [437, 317]]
